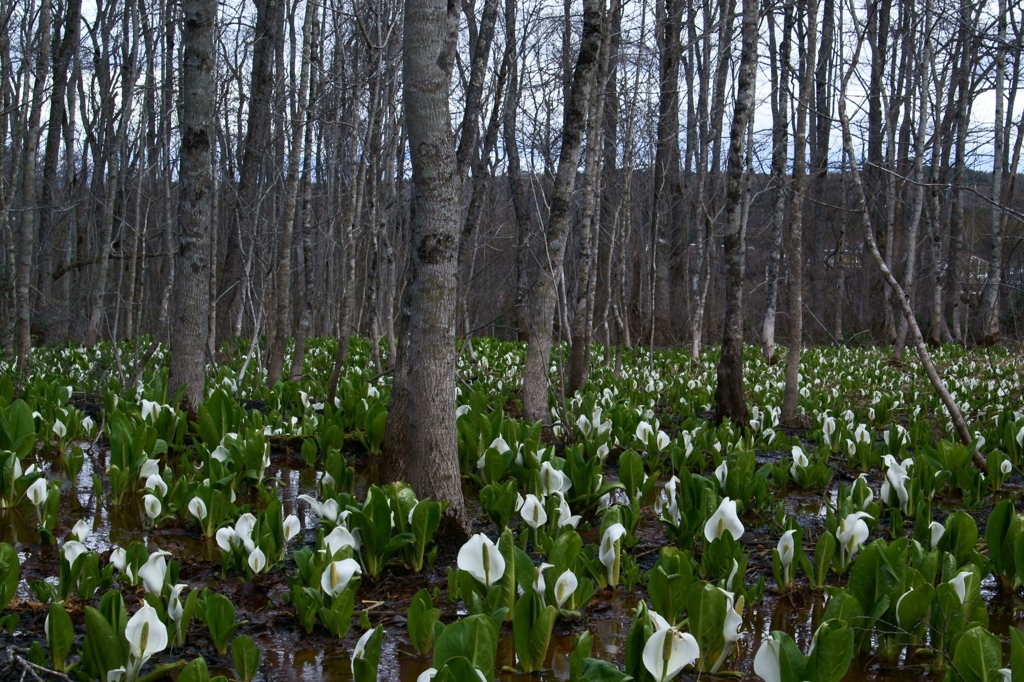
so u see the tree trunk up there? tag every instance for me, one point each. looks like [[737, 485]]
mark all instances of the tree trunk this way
[[780, 147], [23, 293], [544, 293], [990, 328], [191, 290], [730, 402], [431, 456], [915, 332]]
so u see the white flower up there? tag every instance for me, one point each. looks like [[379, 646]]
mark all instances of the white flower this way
[[959, 584], [938, 530], [722, 474], [609, 550], [552, 480], [37, 492], [157, 484], [533, 512], [668, 651], [481, 559], [427, 675], [148, 468], [787, 550], [337, 576], [800, 462], [643, 431], [292, 526], [150, 409], [152, 505], [565, 587], [175, 607], [81, 530], [1005, 467], [87, 424], [59, 428], [257, 560], [852, 533], [197, 508], [724, 519], [338, 538], [119, 557], [146, 635], [227, 538], [71, 550], [766, 661], [154, 571], [220, 453]]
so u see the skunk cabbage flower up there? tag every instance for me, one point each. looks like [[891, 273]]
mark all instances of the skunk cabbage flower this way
[[565, 587], [722, 474], [724, 519], [59, 429], [197, 508], [151, 503], [800, 461], [959, 584], [668, 651], [37, 493], [767, 665], [852, 533], [146, 636], [338, 538], [81, 530], [481, 559], [257, 560], [609, 551], [565, 515], [292, 526], [1005, 467], [552, 480], [227, 539], [533, 512], [154, 571], [337, 576], [787, 550], [360, 650], [938, 530], [150, 409], [643, 431], [71, 550], [157, 484]]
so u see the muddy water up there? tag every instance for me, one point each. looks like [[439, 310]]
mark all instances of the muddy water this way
[[289, 654]]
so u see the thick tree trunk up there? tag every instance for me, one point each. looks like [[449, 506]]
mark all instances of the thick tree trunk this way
[[730, 402], [191, 291], [431, 456], [544, 293]]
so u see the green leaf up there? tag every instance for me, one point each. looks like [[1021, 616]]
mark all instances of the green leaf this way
[[595, 670], [220, 619], [10, 573], [364, 667], [474, 638], [422, 616], [833, 650], [531, 631], [246, 657], [61, 635], [195, 671], [101, 650], [978, 657]]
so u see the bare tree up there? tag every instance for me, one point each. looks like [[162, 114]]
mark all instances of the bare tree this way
[[195, 207], [729, 399]]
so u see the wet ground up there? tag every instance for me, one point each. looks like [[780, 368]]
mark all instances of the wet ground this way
[[288, 653]]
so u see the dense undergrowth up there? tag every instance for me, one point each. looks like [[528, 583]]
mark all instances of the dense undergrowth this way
[[898, 561]]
